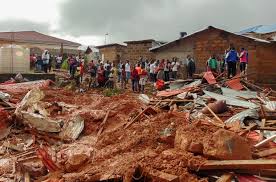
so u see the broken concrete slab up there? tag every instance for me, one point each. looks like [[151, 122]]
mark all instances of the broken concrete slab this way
[[32, 97], [226, 145], [41, 123]]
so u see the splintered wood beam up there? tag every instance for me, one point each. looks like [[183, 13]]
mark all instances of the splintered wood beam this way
[[225, 178], [235, 164], [267, 152]]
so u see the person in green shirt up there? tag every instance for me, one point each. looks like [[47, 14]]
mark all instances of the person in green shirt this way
[[212, 64]]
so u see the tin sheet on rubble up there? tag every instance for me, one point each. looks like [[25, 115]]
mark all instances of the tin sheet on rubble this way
[[271, 105], [252, 113], [193, 84], [236, 94], [231, 101], [72, 129]]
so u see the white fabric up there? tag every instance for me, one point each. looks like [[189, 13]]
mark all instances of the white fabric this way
[[175, 66], [127, 67], [152, 67]]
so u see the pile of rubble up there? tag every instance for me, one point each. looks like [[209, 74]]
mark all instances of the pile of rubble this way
[[196, 130]]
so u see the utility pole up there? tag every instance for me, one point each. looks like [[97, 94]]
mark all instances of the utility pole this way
[[105, 38]]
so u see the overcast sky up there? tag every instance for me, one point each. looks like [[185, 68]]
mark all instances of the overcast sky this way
[[87, 21]]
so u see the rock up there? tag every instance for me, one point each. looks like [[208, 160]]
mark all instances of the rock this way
[[182, 141], [75, 162], [217, 107], [196, 148], [35, 168], [225, 145]]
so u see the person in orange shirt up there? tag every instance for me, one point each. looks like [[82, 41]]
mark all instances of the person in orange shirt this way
[[143, 79], [139, 69]]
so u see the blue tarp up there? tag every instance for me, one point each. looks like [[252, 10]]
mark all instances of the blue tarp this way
[[260, 29]]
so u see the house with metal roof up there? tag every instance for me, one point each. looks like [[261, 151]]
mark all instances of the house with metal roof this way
[[214, 41], [36, 42], [267, 32]]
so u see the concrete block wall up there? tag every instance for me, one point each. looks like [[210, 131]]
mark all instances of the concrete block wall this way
[[135, 50]]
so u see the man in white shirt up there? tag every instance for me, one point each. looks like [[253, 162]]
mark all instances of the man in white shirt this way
[[128, 71], [175, 66], [152, 69]]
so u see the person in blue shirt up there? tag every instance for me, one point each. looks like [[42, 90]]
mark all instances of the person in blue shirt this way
[[231, 59]]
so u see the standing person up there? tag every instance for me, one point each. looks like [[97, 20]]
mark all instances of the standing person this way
[[58, 61], [51, 62], [123, 77], [167, 71], [138, 68], [92, 69], [143, 79], [128, 71], [222, 64], [175, 66], [160, 74], [212, 64], [191, 67], [81, 67], [40, 63], [243, 60], [119, 72], [134, 79], [101, 77], [152, 68], [231, 59], [45, 58]]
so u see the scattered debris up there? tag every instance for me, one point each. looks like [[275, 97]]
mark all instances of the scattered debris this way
[[194, 131]]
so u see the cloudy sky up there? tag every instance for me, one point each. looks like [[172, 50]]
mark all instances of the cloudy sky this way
[[87, 21]]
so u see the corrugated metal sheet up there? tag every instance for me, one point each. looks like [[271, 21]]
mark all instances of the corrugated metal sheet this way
[[233, 93], [253, 113], [271, 105], [231, 101]]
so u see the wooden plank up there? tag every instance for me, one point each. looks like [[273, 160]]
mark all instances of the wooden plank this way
[[210, 110], [172, 100], [162, 176], [225, 178], [138, 116], [267, 152], [236, 164], [247, 129], [262, 128], [103, 123], [264, 142]]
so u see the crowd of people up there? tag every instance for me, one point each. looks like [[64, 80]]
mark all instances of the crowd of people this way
[[106, 74], [136, 75], [45, 62], [229, 62]]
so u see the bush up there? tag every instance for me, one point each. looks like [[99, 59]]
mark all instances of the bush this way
[[111, 92]]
